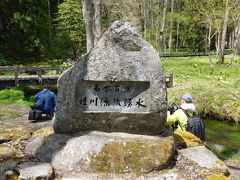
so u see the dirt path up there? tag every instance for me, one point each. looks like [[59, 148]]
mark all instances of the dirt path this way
[[21, 119]]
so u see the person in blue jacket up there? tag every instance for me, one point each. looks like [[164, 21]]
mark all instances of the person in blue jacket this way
[[46, 101]]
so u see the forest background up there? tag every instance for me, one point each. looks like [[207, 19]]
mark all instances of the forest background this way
[[56, 29], [51, 32], [54, 32]]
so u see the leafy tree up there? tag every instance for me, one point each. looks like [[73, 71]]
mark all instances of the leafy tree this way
[[23, 27], [71, 27]]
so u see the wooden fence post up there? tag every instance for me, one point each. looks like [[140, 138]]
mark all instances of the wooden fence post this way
[[171, 80], [39, 73], [16, 71]]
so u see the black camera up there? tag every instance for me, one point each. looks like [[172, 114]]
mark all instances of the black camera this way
[[172, 108]]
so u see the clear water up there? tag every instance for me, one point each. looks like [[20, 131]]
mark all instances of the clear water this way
[[222, 133]]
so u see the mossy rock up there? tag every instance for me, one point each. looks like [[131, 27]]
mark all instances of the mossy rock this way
[[15, 133], [103, 153], [138, 156], [45, 131], [6, 151], [216, 177], [8, 158], [11, 175], [186, 139]]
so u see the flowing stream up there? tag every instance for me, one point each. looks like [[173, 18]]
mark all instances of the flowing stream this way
[[222, 133]]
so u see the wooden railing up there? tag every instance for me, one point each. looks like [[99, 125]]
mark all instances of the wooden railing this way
[[36, 75], [186, 54], [33, 73]]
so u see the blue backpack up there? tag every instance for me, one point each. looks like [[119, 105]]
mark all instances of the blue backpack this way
[[195, 125]]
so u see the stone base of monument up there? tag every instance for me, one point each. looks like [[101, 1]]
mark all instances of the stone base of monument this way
[[100, 155], [104, 153]]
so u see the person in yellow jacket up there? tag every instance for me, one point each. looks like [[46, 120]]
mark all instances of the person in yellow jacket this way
[[179, 116]]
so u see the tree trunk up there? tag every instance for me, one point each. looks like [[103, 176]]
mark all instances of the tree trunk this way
[[236, 32], [151, 19], [177, 35], [88, 16], [97, 7], [177, 38], [235, 45], [1, 24], [171, 26], [74, 51], [209, 43], [158, 24], [145, 17], [49, 25], [217, 44], [162, 31], [224, 31]]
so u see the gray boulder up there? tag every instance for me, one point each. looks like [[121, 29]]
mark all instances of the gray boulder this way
[[99, 152], [118, 87], [199, 162], [35, 170]]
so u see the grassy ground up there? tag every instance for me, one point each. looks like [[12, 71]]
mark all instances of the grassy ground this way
[[215, 90]]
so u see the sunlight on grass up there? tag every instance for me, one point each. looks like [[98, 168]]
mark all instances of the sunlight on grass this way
[[13, 96], [215, 90]]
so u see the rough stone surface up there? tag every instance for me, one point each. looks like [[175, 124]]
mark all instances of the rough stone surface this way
[[35, 170], [199, 162], [118, 87], [98, 152]]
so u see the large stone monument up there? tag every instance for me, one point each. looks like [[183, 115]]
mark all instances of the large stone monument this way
[[118, 87]]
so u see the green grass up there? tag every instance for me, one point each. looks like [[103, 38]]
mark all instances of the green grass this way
[[215, 90], [22, 96], [14, 96]]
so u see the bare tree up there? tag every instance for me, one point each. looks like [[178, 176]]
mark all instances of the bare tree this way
[[224, 31], [88, 16], [177, 40], [97, 8], [145, 17], [49, 25], [171, 26], [236, 32], [162, 31]]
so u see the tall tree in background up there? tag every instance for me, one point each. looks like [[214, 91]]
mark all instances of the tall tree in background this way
[[71, 27], [88, 17], [162, 31], [28, 28], [224, 31], [98, 19], [50, 24], [24, 28], [92, 16], [236, 28], [171, 27]]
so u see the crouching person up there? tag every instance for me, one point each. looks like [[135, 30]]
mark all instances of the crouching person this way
[[185, 117], [46, 101], [179, 118]]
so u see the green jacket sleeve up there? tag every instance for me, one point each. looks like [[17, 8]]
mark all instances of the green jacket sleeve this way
[[180, 117]]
